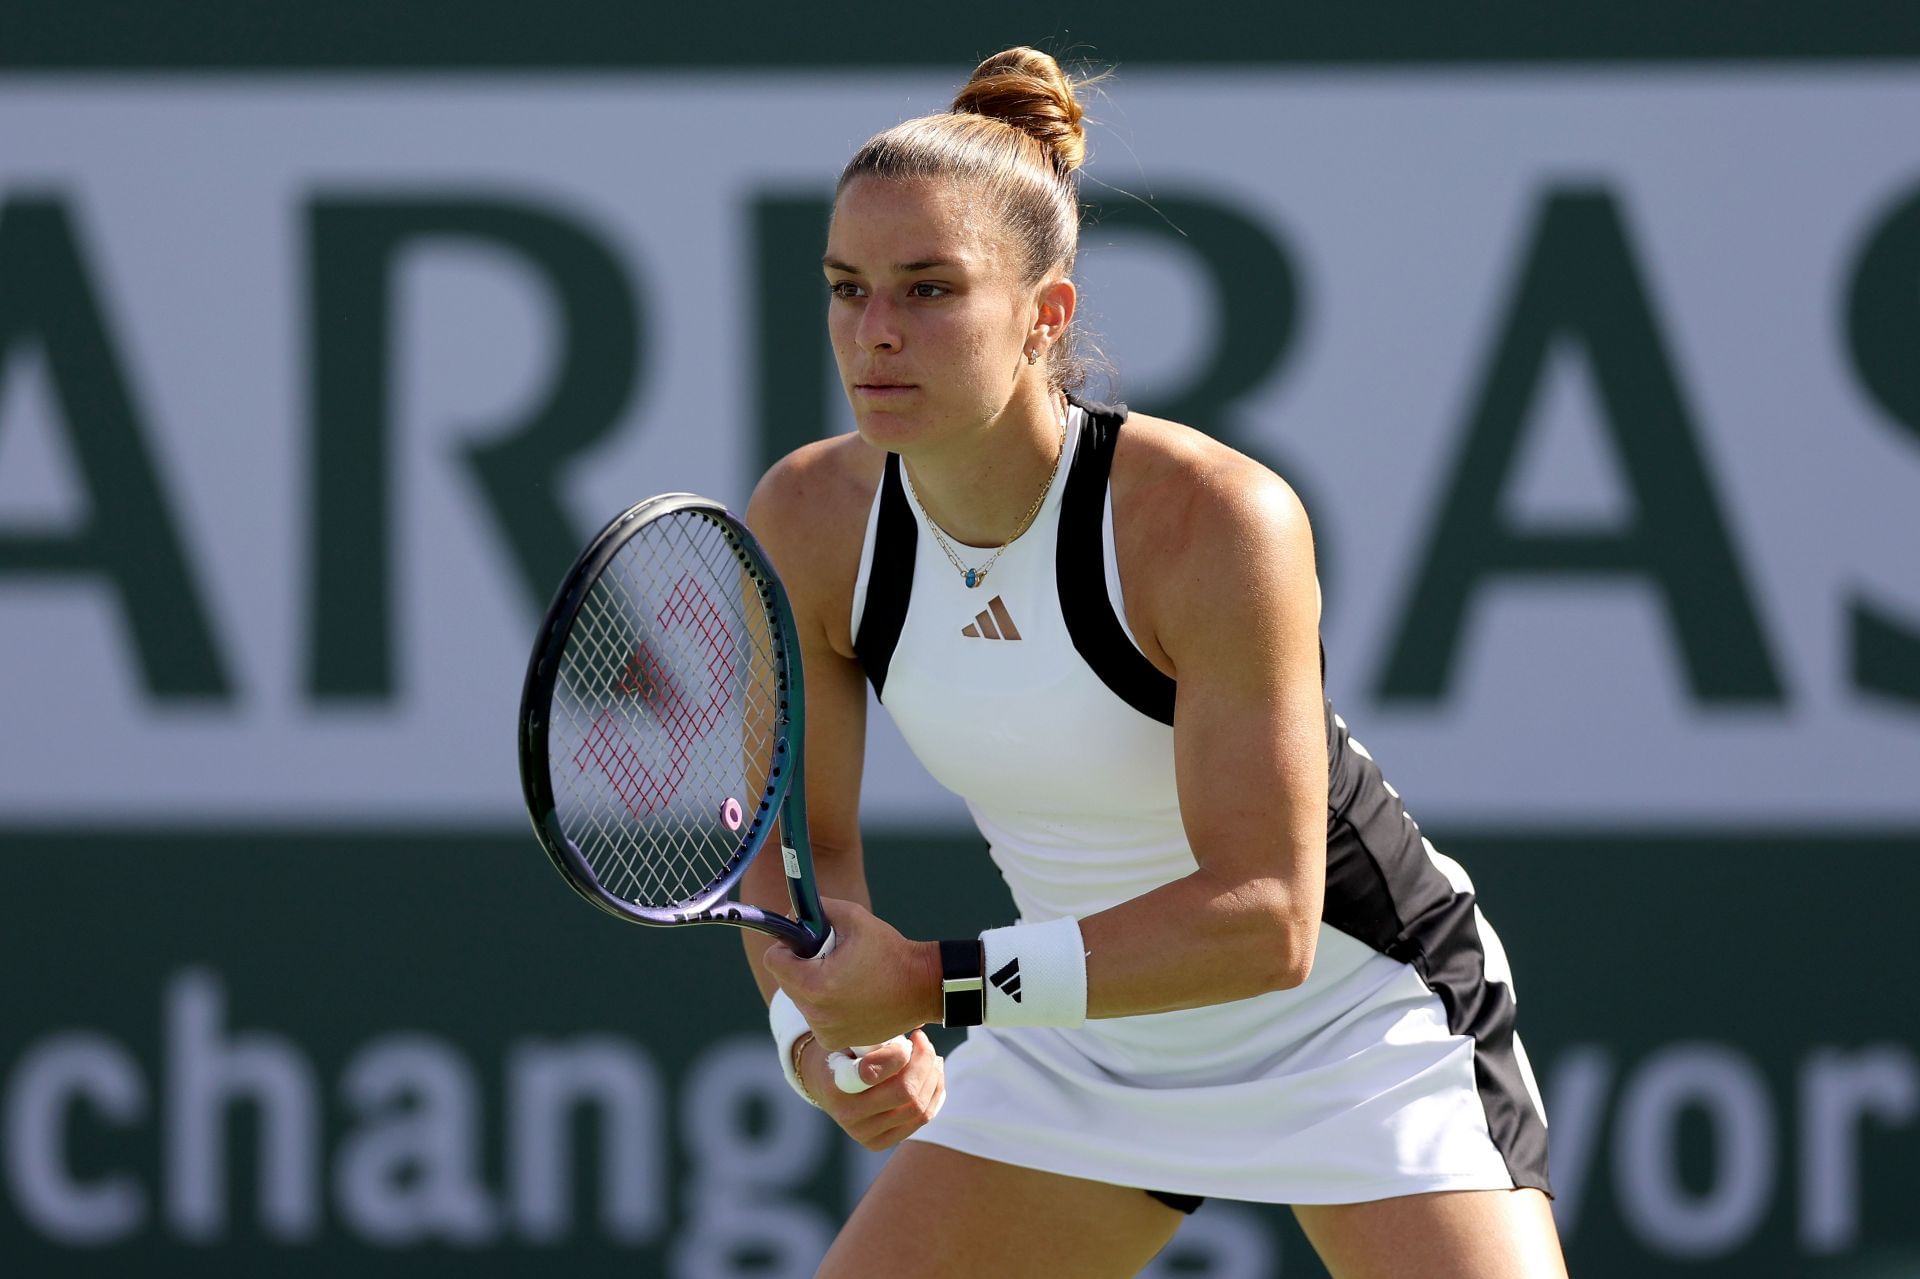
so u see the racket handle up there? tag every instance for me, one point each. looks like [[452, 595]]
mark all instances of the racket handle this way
[[845, 1063]]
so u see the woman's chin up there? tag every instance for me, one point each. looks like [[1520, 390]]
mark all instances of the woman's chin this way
[[886, 427]]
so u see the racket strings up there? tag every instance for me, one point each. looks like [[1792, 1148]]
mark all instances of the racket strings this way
[[640, 841], [666, 714], [660, 859]]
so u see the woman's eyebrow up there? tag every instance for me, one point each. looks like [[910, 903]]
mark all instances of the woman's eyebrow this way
[[831, 263]]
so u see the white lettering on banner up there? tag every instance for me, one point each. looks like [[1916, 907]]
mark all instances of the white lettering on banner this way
[[411, 1170], [756, 1140], [547, 1083], [208, 1072], [1569, 692], [51, 1079], [1725, 1086], [1838, 1091], [1579, 1086], [729, 1083], [1722, 1085], [408, 1167]]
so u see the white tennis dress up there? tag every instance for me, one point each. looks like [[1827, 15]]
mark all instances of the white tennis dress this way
[[1392, 1070]]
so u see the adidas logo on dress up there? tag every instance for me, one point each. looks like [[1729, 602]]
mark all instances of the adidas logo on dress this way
[[993, 622]]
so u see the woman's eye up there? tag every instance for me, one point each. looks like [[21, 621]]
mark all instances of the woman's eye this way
[[924, 290], [843, 289]]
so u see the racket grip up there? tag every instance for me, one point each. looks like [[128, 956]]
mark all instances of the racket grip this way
[[845, 1063]]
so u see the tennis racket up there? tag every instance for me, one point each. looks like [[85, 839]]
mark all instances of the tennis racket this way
[[662, 723]]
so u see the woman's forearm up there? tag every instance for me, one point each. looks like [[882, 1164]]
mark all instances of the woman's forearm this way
[[1199, 940]]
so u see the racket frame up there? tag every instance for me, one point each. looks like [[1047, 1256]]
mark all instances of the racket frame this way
[[782, 805]]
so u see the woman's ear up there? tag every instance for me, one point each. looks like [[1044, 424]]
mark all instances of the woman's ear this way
[[1055, 311]]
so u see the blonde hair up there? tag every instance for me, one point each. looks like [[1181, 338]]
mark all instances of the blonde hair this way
[[1014, 140]]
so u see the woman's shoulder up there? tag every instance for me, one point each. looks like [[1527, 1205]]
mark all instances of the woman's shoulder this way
[[819, 479], [1202, 532], [1182, 481], [810, 513], [1208, 541]]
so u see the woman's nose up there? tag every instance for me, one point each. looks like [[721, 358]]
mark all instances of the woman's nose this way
[[879, 328]]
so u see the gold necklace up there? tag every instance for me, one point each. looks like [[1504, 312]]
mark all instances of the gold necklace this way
[[975, 576]]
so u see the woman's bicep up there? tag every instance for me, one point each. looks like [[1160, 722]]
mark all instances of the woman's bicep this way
[[1250, 764], [1249, 726]]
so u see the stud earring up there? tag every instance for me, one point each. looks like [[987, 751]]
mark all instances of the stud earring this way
[[1033, 357]]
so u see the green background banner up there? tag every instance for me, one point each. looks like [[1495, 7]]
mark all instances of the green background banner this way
[[418, 1053]]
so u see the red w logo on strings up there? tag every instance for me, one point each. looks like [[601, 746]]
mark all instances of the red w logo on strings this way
[[642, 788]]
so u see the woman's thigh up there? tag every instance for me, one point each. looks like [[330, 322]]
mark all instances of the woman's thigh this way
[[936, 1212], [1464, 1234]]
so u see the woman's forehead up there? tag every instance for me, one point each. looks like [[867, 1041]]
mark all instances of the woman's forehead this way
[[883, 224]]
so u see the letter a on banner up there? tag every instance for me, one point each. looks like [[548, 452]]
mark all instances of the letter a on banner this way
[[129, 540], [1580, 285]]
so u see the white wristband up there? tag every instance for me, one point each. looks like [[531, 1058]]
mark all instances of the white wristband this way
[[788, 1025], [1036, 974]]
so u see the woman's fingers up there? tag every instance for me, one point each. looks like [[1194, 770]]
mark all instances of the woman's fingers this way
[[910, 1091]]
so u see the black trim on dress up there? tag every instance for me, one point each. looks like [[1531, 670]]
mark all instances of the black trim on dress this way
[[1383, 890], [1081, 573], [889, 579], [1188, 1204]]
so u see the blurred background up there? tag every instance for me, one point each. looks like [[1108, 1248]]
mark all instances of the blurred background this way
[[1590, 334]]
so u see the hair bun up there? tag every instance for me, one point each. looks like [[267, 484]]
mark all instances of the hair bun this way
[[1027, 89]]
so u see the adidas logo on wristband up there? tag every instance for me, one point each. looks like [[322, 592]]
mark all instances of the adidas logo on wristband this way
[[1007, 980], [1034, 974]]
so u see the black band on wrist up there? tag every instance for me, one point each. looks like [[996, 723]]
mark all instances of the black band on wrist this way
[[963, 968]]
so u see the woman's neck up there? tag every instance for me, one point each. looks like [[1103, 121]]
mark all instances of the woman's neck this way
[[982, 489]]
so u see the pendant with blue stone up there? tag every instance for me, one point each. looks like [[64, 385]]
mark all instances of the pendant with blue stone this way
[[973, 578]]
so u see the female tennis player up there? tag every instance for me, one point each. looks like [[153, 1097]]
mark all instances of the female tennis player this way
[[1238, 969]]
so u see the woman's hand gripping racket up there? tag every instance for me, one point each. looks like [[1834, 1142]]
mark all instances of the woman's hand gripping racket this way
[[661, 729]]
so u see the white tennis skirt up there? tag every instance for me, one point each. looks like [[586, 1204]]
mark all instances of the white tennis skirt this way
[[1349, 1088]]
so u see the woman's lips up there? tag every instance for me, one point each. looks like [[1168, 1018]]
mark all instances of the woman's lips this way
[[883, 390]]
